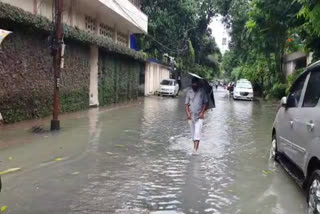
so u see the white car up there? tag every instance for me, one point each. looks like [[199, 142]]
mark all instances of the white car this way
[[243, 91], [169, 87], [296, 134], [243, 80]]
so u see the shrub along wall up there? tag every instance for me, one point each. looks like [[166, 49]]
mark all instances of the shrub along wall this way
[[26, 77], [118, 78]]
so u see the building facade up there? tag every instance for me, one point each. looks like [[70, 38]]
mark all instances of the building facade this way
[[294, 61], [97, 38]]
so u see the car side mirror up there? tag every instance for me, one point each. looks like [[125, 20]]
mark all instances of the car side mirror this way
[[284, 102]]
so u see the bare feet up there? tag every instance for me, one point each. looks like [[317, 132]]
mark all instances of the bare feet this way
[[196, 145]]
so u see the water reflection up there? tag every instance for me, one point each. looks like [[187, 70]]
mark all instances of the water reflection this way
[[139, 159]]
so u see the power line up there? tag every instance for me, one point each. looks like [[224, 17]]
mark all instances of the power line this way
[[177, 51]]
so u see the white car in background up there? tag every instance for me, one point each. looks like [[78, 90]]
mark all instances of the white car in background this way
[[243, 90], [169, 87]]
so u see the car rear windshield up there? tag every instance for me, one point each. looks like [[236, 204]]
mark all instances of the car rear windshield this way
[[167, 82], [245, 85]]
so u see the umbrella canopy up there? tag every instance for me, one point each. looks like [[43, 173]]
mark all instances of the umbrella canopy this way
[[208, 89]]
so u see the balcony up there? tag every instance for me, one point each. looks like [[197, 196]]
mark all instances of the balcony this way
[[125, 13]]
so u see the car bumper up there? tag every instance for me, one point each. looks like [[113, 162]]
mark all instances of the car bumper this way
[[168, 93], [239, 97]]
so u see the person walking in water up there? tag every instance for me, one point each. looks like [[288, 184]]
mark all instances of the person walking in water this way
[[196, 104]]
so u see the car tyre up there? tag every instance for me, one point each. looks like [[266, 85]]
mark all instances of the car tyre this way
[[314, 193]]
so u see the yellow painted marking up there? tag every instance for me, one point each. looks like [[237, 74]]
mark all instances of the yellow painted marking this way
[[3, 209], [9, 171], [266, 172]]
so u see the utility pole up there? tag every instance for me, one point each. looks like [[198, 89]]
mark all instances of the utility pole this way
[[57, 59]]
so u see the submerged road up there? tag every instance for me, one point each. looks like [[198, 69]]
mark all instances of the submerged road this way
[[138, 159]]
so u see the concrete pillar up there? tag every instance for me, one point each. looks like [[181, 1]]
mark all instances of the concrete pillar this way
[[293, 67], [93, 94], [146, 80], [1, 120], [115, 36], [36, 7], [129, 40], [71, 12], [97, 18], [309, 58]]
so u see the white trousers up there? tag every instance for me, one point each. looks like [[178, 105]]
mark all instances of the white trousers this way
[[196, 129]]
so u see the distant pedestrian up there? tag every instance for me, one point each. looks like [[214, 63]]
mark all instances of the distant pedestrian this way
[[179, 82], [196, 104]]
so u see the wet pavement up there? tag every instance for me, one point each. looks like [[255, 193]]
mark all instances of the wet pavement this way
[[138, 159]]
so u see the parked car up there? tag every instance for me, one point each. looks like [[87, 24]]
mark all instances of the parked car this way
[[296, 134], [242, 80], [169, 87], [243, 91]]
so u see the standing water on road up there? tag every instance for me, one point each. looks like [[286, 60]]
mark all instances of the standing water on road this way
[[138, 159]]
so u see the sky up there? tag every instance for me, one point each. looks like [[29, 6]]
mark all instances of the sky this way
[[219, 32]]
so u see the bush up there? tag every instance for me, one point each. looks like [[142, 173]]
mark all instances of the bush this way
[[278, 90]]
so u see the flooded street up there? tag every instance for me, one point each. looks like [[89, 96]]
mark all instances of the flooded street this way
[[138, 159]]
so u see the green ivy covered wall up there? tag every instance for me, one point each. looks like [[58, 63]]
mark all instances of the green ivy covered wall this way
[[119, 78], [27, 77]]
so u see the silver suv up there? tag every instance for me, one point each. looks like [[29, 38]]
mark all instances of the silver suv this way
[[296, 134]]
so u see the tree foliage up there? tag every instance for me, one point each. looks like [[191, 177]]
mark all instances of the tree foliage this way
[[263, 31], [180, 28]]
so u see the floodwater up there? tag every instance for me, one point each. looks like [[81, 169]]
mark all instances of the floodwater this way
[[138, 159]]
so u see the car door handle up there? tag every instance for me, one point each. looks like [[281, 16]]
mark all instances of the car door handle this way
[[310, 126], [291, 123]]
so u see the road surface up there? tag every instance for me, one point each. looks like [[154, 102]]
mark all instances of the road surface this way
[[138, 159]]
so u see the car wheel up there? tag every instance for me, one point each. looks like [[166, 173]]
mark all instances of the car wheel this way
[[314, 193], [274, 151]]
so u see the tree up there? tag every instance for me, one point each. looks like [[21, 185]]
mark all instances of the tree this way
[[180, 28], [311, 12], [310, 28], [268, 26]]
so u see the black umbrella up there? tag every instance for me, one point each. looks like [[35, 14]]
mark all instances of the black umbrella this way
[[208, 89]]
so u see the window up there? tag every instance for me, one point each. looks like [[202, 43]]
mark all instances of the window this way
[[312, 96], [167, 82], [123, 39], [106, 31], [295, 93], [244, 85], [90, 24]]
